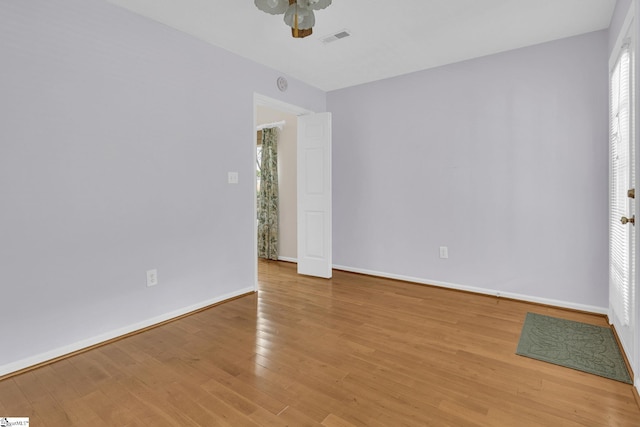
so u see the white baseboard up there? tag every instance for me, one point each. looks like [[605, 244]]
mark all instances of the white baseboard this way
[[485, 291], [90, 342], [288, 259]]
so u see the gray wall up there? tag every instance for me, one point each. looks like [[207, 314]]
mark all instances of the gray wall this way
[[503, 159], [117, 134]]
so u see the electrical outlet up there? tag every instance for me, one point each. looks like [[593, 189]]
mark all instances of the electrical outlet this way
[[444, 252], [232, 177], [152, 277]]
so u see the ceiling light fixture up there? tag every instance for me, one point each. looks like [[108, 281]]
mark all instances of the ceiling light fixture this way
[[298, 14]]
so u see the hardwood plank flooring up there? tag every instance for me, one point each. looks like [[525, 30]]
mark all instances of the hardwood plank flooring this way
[[350, 351]]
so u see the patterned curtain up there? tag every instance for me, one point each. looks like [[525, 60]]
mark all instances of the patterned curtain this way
[[268, 196]]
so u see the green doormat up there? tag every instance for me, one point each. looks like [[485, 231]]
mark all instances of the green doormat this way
[[575, 345]]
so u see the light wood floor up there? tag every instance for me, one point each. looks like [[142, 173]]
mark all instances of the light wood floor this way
[[351, 351]]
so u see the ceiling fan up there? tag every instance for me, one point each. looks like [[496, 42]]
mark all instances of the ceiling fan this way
[[298, 14]]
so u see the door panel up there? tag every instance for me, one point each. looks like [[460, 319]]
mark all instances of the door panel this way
[[622, 230], [314, 195]]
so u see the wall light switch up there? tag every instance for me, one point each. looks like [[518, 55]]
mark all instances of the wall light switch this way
[[152, 277], [444, 252], [232, 177]]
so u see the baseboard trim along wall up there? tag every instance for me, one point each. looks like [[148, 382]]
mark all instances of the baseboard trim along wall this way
[[62, 352], [485, 291]]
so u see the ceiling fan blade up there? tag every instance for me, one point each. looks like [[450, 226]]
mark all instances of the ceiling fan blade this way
[[273, 7]]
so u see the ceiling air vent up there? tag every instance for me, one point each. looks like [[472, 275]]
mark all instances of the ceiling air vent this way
[[336, 36]]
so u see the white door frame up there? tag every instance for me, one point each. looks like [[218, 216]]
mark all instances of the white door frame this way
[[634, 29], [260, 100]]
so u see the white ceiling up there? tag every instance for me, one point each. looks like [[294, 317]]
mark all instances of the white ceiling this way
[[389, 38]]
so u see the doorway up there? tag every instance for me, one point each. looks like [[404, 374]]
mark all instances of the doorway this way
[[269, 110]]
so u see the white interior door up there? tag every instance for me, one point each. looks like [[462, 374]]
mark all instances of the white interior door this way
[[314, 195], [622, 180]]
